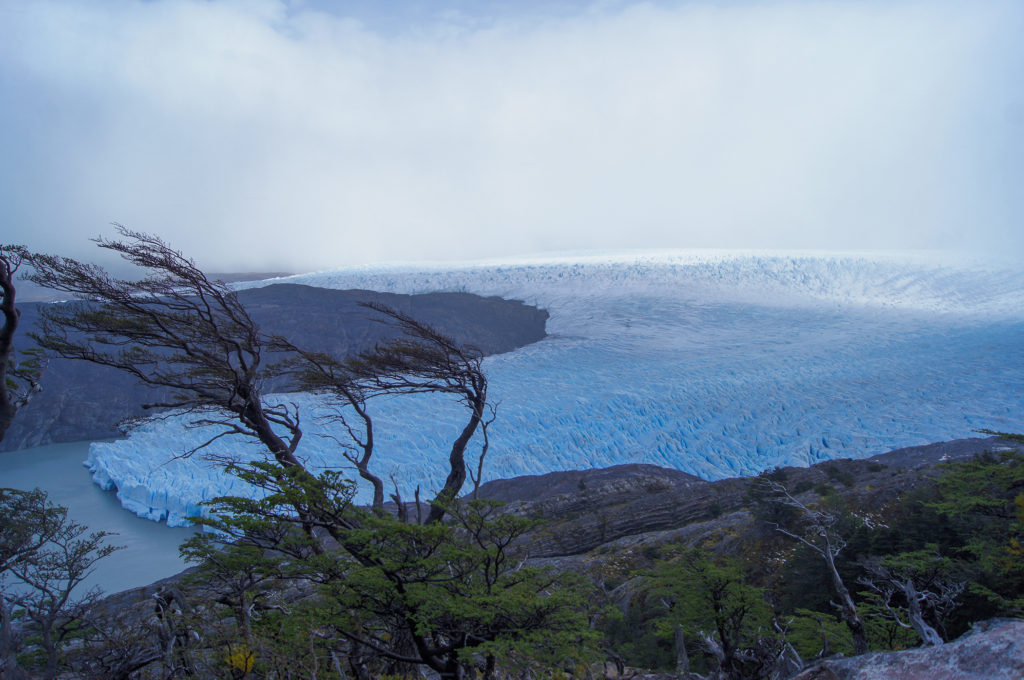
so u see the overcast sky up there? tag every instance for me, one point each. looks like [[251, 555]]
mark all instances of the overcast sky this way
[[299, 135]]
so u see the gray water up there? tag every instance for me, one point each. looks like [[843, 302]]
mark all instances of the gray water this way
[[151, 549]]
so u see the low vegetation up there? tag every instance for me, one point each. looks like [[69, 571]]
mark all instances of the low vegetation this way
[[918, 571]]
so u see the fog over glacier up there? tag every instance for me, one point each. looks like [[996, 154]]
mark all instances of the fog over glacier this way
[[715, 363], [285, 135]]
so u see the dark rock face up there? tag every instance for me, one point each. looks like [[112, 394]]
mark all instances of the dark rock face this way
[[82, 401], [614, 481], [993, 650], [585, 509]]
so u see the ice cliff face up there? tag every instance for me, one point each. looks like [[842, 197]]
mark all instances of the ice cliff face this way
[[718, 364]]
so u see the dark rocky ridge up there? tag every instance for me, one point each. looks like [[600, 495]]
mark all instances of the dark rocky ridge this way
[[81, 401], [627, 504]]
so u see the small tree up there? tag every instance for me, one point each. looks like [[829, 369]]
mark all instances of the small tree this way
[[913, 587], [709, 610], [44, 558], [442, 595], [816, 635]]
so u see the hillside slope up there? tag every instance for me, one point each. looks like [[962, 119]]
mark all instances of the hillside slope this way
[[81, 401]]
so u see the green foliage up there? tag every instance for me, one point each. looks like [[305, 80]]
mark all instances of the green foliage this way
[[1016, 548], [631, 634], [802, 486], [968, 517], [459, 580], [917, 589], [815, 635], [802, 583], [439, 594], [824, 490], [386, 586], [44, 558], [704, 598], [982, 491], [22, 376], [884, 633], [837, 474], [981, 500], [1018, 438]]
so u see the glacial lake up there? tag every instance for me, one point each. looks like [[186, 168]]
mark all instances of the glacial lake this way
[[151, 548]]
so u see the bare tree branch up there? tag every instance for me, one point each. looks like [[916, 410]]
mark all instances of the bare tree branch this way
[[422, 361], [174, 329]]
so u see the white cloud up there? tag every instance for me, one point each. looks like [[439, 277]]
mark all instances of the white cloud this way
[[261, 134]]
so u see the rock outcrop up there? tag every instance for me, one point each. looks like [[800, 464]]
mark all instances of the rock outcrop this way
[[627, 505], [992, 650]]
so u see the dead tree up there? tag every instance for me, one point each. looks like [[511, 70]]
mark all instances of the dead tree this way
[[19, 381], [818, 530]]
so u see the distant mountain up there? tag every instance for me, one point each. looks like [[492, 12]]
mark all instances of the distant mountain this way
[[81, 401]]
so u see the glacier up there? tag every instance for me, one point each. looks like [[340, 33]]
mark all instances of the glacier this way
[[717, 363]]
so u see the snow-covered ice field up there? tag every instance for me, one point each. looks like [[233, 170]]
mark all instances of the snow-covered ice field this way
[[715, 363]]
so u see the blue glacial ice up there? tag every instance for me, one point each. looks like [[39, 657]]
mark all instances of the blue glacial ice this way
[[715, 363]]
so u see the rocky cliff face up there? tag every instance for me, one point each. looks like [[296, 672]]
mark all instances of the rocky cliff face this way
[[81, 401]]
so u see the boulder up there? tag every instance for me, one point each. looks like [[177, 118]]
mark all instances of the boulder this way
[[992, 650]]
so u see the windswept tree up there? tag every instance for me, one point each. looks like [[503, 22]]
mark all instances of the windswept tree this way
[[19, 380], [178, 330], [435, 594], [422, 360], [173, 329]]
